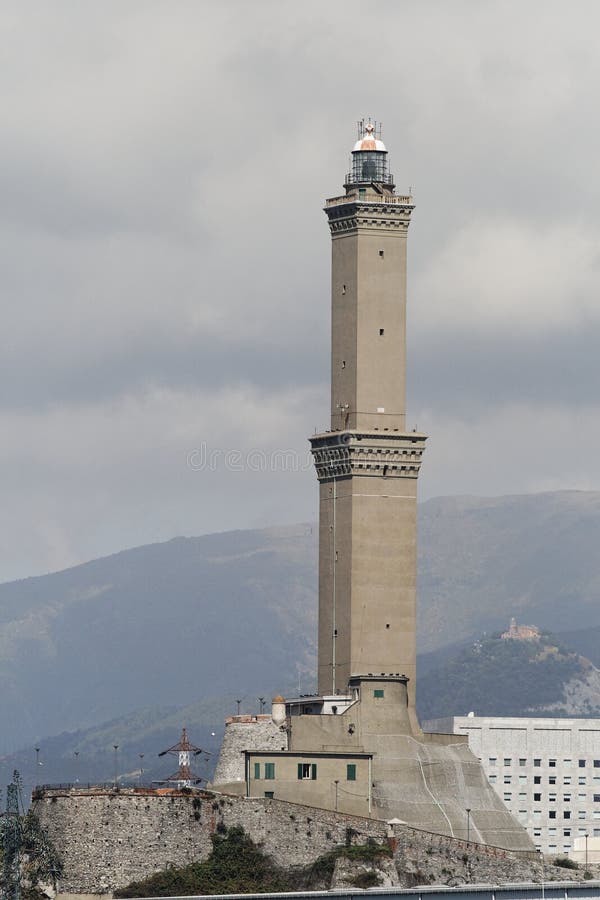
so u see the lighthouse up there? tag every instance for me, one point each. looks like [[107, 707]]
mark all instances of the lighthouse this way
[[367, 463]]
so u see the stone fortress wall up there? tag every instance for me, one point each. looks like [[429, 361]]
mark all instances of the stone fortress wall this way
[[108, 838]]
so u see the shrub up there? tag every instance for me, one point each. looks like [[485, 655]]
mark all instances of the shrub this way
[[565, 863]]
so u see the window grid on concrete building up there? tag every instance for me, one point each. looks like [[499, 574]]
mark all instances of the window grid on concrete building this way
[[544, 804]]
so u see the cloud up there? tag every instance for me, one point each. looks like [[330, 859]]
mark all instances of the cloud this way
[[164, 257]]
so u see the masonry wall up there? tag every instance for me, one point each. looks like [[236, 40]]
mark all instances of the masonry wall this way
[[110, 838], [245, 733]]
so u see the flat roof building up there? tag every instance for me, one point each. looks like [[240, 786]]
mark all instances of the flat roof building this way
[[547, 772]]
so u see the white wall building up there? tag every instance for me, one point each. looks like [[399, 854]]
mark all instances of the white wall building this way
[[547, 771]]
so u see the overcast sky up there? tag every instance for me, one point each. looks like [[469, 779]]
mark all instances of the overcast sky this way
[[164, 257]]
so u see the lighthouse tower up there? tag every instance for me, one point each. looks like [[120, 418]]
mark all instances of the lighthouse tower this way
[[367, 464]]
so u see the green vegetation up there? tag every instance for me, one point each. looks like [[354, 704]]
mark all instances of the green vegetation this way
[[565, 863], [39, 860], [499, 677], [237, 866], [366, 880]]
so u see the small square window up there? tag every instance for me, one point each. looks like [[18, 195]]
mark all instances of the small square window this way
[[269, 795], [507, 795], [566, 832], [567, 779], [582, 763], [537, 779], [581, 779], [507, 779], [378, 693], [567, 814], [566, 798], [552, 814], [522, 762], [596, 798], [537, 797], [492, 779], [537, 762], [552, 832], [537, 832], [596, 832], [522, 779], [381, 332], [381, 253], [552, 763], [597, 763], [507, 762], [552, 779], [493, 760], [581, 814]]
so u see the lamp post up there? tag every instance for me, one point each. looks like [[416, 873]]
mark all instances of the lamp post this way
[[76, 757], [336, 782], [586, 853], [116, 748], [468, 812], [37, 761], [261, 700], [141, 756], [239, 703]]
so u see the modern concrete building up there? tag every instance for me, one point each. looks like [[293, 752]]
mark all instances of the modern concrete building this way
[[546, 771], [367, 466]]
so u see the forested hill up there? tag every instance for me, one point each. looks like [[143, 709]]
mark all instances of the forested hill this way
[[503, 677]]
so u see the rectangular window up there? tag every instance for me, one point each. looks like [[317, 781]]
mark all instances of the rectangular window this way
[[566, 832], [596, 814], [581, 814], [507, 779], [597, 763], [552, 763], [567, 779], [269, 794], [567, 814], [522, 779], [596, 832], [492, 779], [351, 772], [537, 762], [493, 760], [522, 762], [552, 832], [552, 814], [581, 779], [378, 693], [269, 771], [552, 798], [552, 779], [307, 771], [257, 771], [582, 763], [507, 795], [566, 798], [507, 762], [537, 832], [537, 815], [596, 798], [537, 779], [537, 797], [567, 762]]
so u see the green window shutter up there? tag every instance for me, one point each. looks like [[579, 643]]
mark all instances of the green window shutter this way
[[300, 771], [378, 693], [269, 771], [257, 771], [351, 772], [313, 772]]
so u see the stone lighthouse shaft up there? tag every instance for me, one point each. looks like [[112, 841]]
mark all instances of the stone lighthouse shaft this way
[[367, 464]]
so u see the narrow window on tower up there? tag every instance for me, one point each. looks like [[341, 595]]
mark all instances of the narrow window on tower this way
[[381, 253], [343, 364], [257, 770], [351, 772], [343, 289]]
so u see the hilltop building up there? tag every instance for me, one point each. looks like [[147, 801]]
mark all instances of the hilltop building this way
[[546, 771], [357, 746], [520, 632]]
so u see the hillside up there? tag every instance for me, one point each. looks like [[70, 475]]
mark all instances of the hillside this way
[[496, 677], [234, 614]]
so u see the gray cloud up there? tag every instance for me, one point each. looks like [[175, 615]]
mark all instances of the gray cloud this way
[[164, 257]]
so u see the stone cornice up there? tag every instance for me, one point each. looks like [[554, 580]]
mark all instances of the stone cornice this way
[[343, 454]]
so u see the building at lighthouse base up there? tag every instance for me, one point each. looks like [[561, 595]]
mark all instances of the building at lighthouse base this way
[[359, 754]]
